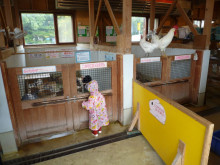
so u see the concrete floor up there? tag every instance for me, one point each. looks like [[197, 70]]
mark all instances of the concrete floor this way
[[133, 151]]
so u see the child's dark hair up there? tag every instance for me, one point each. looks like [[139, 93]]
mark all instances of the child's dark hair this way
[[87, 79]]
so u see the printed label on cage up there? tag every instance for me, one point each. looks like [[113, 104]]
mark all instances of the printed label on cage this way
[[151, 59], [157, 110], [182, 57], [43, 69], [93, 65]]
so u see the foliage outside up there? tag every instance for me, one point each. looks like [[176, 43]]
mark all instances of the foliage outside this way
[[39, 28], [65, 29]]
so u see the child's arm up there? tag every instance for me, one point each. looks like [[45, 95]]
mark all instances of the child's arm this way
[[88, 105]]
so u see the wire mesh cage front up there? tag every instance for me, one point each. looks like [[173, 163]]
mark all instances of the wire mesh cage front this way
[[148, 72], [180, 69], [102, 75], [35, 86]]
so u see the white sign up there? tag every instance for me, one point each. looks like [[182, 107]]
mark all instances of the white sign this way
[[151, 59], [157, 110], [67, 53], [183, 57], [93, 65], [42, 69]]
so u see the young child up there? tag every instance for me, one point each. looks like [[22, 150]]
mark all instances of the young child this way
[[96, 106]]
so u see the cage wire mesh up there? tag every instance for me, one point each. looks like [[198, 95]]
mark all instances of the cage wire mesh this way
[[101, 75], [148, 72], [180, 69], [35, 86]]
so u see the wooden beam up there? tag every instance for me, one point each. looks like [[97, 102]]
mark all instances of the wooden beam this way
[[186, 18], [111, 14], [97, 16], [4, 26], [91, 22], [3, 67], [166, 15], [152, 14], [179, 159], [208, 21], [8, 14], [135, 119]]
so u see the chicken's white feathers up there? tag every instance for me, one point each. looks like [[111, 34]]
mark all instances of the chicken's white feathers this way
[[166, 40], [147, 46]]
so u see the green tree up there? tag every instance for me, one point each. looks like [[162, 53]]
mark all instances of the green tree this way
[[39, 28]]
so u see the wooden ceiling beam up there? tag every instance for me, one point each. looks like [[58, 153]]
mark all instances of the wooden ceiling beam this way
[[186, 18], [97, 16], [166, 15]]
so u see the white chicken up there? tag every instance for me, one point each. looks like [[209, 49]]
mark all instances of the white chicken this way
[[147, 46], [164, 41]]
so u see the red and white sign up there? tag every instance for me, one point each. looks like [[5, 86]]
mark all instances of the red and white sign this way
[[93, 65], [151, 59], [182, 57], [157, 110], [42, 69]]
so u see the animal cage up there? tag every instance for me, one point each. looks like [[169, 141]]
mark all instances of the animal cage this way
[[35, 86], [101, 75], [148, 72], [180, 69]]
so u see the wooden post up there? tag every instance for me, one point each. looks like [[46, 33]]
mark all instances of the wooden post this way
[[10, 102], [179, 159], [124, 40], [152, 14], [135, 119], [91, 22], [8, 14], [208, 21], [97, 17]]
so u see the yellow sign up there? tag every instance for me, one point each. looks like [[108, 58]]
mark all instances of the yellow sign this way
[[138, 26], [171, 123]]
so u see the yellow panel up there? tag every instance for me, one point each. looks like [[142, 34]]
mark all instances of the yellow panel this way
[[165, 138]]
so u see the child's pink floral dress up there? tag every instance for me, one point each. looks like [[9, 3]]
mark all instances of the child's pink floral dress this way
[[96, 106]]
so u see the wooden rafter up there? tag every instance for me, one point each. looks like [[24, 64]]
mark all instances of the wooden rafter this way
[[186, 18], [97, 16], [111, 14], [166, 15]]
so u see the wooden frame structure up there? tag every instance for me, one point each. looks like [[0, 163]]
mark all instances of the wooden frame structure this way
[[179, 158], [35, 118]]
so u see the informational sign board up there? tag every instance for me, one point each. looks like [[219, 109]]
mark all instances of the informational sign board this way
[[83, 56], [169, 123], [67, 53], [151, 59], [42, 69], [93, 65], [84, 34], [111, 34], [182, 57]]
